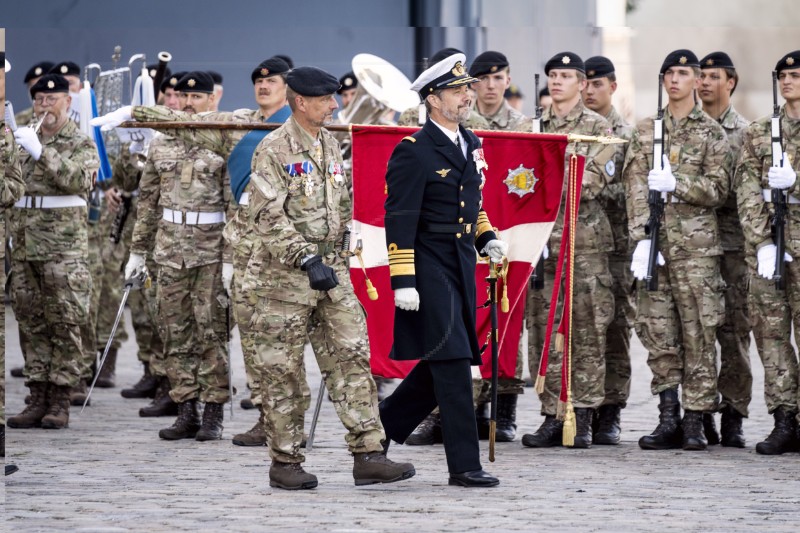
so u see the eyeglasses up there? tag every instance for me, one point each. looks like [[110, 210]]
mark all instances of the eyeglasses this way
[[49, 99]]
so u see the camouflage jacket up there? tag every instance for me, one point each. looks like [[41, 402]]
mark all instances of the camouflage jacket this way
[[126, 171], [183, 178], [730, 229], [299, 205], [593, 233], [700, 157], [66, 167], [751, 178], [24, 117], [12, 187], [506, 118], [410, 117], [613, 196]]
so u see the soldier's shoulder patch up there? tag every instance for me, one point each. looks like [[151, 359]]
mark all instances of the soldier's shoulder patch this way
[[611, 168], [409, 139]]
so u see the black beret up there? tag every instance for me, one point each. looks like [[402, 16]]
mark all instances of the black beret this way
[[285, 58], [441, 54], [488, 63], [348, 81], [513, 90], [598, 67], [270, 67], [680, 58], [789, 61], [717, 60], [66, 68], [564, 60], [196, 82], [50, 83], [39, 69], [152, 68], [216, 76], [312, 81], [171, 81]]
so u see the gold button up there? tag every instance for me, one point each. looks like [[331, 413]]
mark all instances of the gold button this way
[[458, 235], [462, 203], [460, 220]]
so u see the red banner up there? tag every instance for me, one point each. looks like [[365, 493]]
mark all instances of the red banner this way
[[522, 195]]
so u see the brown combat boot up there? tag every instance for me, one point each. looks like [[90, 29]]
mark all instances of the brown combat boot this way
[[290, 476], [107, 373], [256, 436], [162, 404], [57, 416], [211, 429], [186, 425], [375, 467], [31, 416], [78, 394], [144, 388]]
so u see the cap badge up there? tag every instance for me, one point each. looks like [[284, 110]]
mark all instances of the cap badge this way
[[682, 60], [348, 82], [590, 73], [191, 82], [38, 71], [51, 84], [458, 70], [264, 71], [494, 68], [565, 60], [173, 81], [710, 62], [64, 69], [790, 61]]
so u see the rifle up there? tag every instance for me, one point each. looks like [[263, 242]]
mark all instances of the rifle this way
[[778, 195], [537, 279], [656, 199]]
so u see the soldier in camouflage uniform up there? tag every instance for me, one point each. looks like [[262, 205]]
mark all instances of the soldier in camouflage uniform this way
[[25, 116], [494, 73], [51, 281], [12, 188], [182, 203], [718, 80], [299, 207], [601, 84], [677, 323], [773, 312], [593, 304]]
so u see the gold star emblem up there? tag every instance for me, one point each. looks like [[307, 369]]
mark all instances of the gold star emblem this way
[[64, 69], [790, 61], [191, 82], [348, 82], [264, 72], [710, 62], [493, 69], [38, 71], [565, 60], [51, 84], [682, 60]]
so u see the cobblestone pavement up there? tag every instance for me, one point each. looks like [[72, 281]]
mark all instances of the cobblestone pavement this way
[[110, 472]]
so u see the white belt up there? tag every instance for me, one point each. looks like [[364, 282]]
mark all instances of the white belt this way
[[192, 218], [50, 202], [244, 199], [675, 200], [767, 194]]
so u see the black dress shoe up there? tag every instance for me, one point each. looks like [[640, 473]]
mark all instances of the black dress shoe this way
[[475, 478]]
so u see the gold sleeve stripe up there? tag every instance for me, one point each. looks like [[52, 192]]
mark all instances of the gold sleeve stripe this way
[[409, 139], [401, 270], [483, 224]]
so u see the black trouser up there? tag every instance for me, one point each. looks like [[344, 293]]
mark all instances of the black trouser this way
[[447, 384]]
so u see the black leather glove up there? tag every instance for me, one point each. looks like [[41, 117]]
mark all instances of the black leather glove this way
[[321, 277]]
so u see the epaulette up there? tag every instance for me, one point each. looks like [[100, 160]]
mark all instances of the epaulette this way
[[409, 138]]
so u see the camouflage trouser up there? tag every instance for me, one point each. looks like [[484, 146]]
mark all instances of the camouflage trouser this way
[[537, 306], [280, 330], [3, 339], [51, 303], [677, 325], [191, 306], [772, 314], [144, 309], [735, 382], [243, 313], [618, 335], [89, 328], [592, 312]]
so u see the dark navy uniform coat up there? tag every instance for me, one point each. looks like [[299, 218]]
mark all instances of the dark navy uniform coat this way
[[430, 182]]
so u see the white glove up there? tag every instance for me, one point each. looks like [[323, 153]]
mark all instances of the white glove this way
[[407, 299], [134, 266], [28, 139], [661, 179], [766, 260], [109, 121], [641, 256], [227, 277], [496, 250], [782, 177]]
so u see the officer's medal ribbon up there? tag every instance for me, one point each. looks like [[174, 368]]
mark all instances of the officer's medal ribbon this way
[[480, 160], [337, 173]]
